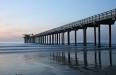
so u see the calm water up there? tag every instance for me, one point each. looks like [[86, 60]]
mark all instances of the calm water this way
[[34, 59]]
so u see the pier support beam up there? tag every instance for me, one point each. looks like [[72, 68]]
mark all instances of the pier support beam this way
[[94, 36], [44, 39], [110, 38], [84, 37], [59, 38], [47, 39], [50, 39], [99, 37], [37, 40], [99, 45], [40, 40], [62, 38], [75, 37], [55, 39], [68, 37]]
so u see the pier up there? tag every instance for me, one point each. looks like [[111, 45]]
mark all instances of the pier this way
[[56, 35]]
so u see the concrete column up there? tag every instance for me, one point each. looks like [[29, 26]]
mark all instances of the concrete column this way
[[47, 39], [33, 39], [99, 45], [40, 40], [37, 40], [75, 37], [50, 39], [62, 38], [84, 37], [110, 38], [94, 36], [55, 39], [59, 38], [44, 39], [68, 37], [29, 40], [25, 40], [99, 37]]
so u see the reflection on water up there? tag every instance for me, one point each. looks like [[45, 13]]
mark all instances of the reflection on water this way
[[34, 59], [97, 59], [86, 57]]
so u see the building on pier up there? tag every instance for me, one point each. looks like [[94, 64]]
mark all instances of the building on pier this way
[[29, 38]]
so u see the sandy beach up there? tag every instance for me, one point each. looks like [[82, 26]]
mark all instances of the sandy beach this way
[[28, 59]]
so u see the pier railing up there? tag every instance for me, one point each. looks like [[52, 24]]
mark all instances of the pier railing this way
[[89, 20]]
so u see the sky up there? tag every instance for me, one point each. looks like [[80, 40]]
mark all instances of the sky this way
[[18, 17]]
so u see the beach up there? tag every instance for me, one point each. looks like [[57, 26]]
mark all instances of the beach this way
[[34, 59]]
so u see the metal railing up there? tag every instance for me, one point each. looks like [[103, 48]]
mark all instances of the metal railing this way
[[96, 18]]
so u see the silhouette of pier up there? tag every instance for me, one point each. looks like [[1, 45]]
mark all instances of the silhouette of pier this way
[[56, 35]]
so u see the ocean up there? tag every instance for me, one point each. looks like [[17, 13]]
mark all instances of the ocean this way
[[35, 59]]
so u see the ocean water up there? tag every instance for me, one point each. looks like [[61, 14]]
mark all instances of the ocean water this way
[[35, 59]]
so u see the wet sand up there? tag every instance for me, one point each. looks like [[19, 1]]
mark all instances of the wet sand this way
[[31, 63], [32, 60]]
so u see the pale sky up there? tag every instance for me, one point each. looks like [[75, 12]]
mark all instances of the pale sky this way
[[18, 17]]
